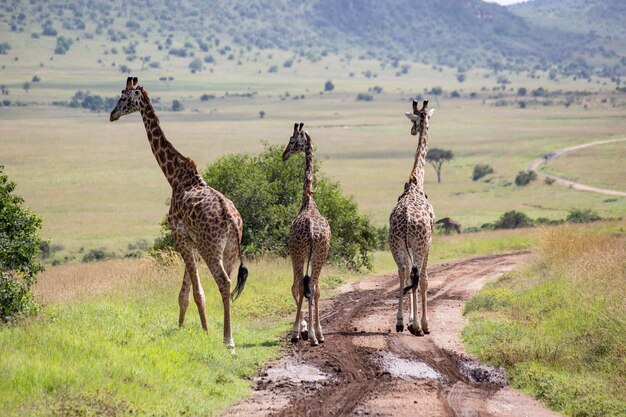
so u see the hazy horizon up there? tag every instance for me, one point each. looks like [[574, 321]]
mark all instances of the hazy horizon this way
[[506, 2]]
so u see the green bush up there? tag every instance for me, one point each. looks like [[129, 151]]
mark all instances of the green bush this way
[[480, 170], [19, 247], [513, 220], [268, 194], [525, 177], [582, 216]]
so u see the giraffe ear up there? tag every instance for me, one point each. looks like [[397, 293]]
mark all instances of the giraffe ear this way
[[135, 81], [412, 117], [431, 112], [129, 82]]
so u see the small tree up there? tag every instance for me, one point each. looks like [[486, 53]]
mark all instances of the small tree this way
[[195, 65], [525, 177], [329, 86], [20, 245], [26, 86], [436, 157], [261, 114], [167, 81], [144, 60], [513, 220], [177, 105], [480, 170]]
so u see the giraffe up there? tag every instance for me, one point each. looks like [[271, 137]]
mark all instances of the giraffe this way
[[411, 225], [309, 242], [204, 223]]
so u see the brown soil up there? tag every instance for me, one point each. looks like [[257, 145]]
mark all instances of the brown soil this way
[[366, 368]]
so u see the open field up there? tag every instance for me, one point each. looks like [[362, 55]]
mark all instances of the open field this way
[[97, 184]]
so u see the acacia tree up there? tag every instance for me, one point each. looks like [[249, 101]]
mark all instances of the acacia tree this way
[[436, 157], [19, 247]]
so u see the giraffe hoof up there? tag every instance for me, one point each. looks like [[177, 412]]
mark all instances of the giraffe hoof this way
[[294, 339], [304, 335], [314, 342], [414, 332], [399, 328], [426, 331]]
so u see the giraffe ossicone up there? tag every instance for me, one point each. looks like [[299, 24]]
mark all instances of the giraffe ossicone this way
[[204, 223]]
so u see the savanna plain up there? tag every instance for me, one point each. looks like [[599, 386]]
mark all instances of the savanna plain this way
[[106, 341]]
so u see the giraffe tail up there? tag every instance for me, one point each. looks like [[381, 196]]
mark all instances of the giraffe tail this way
[[308, 294], [242, 277]]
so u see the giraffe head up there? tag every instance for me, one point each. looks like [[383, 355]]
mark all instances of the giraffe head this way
[[419, 118], [130, 101], [297, 141]]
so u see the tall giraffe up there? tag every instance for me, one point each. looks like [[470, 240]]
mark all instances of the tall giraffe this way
[[309, 242], [203, 221], [411, 225]]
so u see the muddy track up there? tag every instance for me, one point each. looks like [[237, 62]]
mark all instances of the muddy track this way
[[366, 368]]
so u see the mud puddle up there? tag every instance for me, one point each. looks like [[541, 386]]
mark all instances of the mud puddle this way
[[408, 368]]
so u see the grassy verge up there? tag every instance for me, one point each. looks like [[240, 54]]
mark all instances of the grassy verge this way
[[108, 342], [559, 324]]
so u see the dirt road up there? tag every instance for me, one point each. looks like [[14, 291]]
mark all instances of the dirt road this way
[[573, 184], [366, 368]]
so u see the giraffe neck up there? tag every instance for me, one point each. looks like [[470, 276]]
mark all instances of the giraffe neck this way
[[417, 174], [307, 189], [163, 150]]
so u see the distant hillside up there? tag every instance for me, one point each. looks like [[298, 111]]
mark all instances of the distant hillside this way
[[603, 17], [455, 33]]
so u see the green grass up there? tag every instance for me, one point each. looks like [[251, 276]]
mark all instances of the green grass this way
[[559, 324], [107, 342]]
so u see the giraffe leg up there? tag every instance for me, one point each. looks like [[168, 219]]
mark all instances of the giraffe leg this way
[[190, 278], [300, 325], [317, 262], [312, 335], [183, 298], [403, 272], [414, 326], [318, 325], [424, 291]]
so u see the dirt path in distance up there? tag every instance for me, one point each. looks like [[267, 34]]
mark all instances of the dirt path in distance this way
[[568, 183], [366, 368]]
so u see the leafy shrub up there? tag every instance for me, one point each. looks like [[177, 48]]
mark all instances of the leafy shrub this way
[[582, 216], [364, 97], [329, 86], [267, 193], [549, 181], [195, 65], [92, 102], [98, 254], [525, 177], [513, 220], [63, 45], [207, 97], [4, 48], [177, 105], [20, 244], [480, 170]]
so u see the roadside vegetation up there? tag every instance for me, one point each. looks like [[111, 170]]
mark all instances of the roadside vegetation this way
[[559, 324]]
